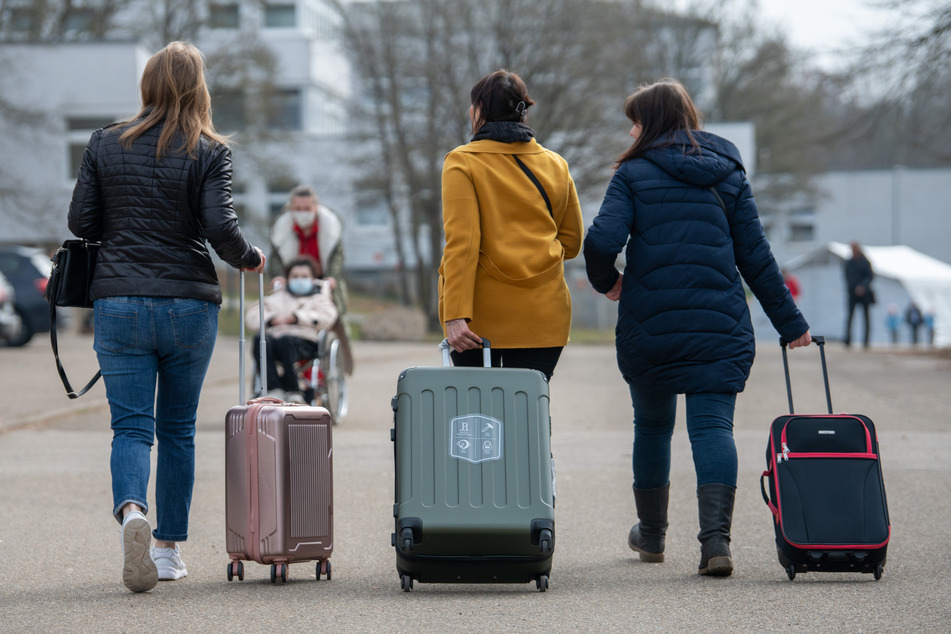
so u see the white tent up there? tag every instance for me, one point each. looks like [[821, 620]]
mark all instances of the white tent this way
[[902, 275]]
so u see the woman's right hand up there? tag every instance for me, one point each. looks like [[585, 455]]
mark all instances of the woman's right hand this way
[[260, 267], [804, 340], [615, 293], [460, 337]]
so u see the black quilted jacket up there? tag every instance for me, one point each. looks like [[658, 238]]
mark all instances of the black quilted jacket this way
[[154, 216]]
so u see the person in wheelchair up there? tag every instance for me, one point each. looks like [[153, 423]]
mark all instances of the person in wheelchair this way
[[294, 317]]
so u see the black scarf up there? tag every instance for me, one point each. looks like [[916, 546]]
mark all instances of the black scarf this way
[[504, 132]]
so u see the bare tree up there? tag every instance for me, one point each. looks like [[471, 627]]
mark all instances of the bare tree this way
[[418, 60]]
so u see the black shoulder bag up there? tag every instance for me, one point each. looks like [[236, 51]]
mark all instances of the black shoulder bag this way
[[70, 279], [532, 178]]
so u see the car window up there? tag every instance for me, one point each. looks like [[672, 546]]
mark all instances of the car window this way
[[42, 262]]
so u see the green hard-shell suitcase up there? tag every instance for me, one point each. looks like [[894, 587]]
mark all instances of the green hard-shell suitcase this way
[[475, 480]]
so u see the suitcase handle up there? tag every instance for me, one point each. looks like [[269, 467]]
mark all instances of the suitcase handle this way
[[262, 375], [762, 487], [486, 353], [819, 341]]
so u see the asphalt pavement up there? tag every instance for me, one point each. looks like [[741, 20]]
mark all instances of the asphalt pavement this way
[[60, 557]]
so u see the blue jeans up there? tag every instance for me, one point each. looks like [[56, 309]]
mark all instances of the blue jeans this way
[[709, 426], [144, 343]]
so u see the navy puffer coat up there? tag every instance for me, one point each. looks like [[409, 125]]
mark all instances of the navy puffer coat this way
[[683, 321]]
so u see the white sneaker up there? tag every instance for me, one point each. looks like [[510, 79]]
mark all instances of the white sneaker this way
[[169, 563], [138, 570]]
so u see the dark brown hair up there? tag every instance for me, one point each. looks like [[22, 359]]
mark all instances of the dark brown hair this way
[[660, 108], [500, 96], [304, 260], [173, 90]]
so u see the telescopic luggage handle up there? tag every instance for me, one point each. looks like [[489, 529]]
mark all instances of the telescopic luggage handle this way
[[819, 341], [486, 353], [262, 375]]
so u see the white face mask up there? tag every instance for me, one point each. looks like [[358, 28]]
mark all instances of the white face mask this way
[[300, 285], [304, 219]]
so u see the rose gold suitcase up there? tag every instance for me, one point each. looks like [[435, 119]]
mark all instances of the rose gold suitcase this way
[[278, 480]]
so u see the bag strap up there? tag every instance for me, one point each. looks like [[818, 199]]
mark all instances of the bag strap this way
[[720, 200], [541, 189], [59, 365]]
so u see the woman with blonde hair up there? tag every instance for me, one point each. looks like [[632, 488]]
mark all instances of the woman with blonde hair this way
[[682, 208], [153, 190]]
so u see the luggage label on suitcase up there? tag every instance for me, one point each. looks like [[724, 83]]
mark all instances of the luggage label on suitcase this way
[[826, 480]]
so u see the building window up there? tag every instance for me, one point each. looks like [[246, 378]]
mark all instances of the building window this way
[[799, 232], [87, 124], [371, 209], [286, 111], [223, 16], [80, 21], [22, 20], [227, 108], [802, 225], [78, 131], [280, 16], [75, 159]]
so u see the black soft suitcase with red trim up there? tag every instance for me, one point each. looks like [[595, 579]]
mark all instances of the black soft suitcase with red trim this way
[[826, 492]]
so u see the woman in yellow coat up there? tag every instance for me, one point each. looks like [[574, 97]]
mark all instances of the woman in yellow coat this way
[[511, 218]]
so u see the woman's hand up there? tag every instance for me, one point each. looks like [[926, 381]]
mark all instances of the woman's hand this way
[[260, 267], [804, 340], [615, 293], [460, 337]]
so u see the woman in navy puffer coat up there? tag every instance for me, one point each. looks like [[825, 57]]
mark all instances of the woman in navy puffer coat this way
[[682, 204]]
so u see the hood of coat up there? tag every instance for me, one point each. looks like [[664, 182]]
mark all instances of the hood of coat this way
[[714, 159]]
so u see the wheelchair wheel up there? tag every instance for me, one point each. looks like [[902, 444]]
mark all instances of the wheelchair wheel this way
[[335, 380]]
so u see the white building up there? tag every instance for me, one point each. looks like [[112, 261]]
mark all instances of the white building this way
[[79, 86]]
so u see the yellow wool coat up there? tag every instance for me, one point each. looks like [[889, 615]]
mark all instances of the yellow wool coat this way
[[502, 267]]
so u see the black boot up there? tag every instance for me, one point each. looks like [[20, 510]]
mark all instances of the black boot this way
[[715, 503], [647, 536]]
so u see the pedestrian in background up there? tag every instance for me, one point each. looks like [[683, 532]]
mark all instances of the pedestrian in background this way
[[153, 190], [306, 228], [893, 321], [914, 320], [511, 218], [681, 205], [858, 284]]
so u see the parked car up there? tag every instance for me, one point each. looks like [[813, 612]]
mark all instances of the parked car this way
[[10, 322], [27, 269]]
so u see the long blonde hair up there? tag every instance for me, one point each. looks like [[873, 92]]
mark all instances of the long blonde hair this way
[[173, 90]]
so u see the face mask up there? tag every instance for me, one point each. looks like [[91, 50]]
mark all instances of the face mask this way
[[300, 285], [303, 219]]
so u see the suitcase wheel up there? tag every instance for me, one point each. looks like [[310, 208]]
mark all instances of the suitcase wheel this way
[[877, 573], [544, 542], [406, 583], [278, 570], [791, 571], [542, 583], [236, 569], [323, 567]]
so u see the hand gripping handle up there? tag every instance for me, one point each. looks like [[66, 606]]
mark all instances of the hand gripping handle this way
[[486, 353], [819, 341]]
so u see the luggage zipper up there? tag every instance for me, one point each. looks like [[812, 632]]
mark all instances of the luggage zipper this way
[[785, 455]]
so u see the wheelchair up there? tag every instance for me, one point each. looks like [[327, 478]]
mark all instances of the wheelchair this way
[[324, 378]]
